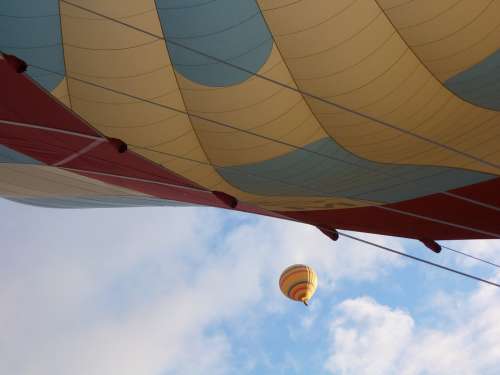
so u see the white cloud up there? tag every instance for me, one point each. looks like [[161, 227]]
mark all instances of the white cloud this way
[[133, 291], [367, 337], [370, 338]]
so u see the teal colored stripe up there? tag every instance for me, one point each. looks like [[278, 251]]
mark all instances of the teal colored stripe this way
[[96, 202], [31, 30], [233, 31], [480, 84], [301, 173], [8, 155]]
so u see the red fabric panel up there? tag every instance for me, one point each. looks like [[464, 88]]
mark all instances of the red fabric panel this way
[[25, 101]]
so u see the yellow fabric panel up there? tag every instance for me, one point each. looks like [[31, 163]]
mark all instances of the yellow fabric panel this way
[[18, 180], [358, 60], [306, 203], [310, 20], [254, 105], [61, 93], [267, 5], [328, 24], [411, 13], [392, 4], [448, 36]]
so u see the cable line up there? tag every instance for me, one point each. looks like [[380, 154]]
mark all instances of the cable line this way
[[420, 259], [471, 256]]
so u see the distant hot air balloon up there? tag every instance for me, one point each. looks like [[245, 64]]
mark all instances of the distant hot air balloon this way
[[299, 282]]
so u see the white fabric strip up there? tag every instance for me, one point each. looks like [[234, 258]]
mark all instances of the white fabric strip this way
[[138, 179], [84, 150], [39, 127]]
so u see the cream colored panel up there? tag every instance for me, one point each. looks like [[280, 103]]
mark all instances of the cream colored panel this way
[[414, 13], [392, 4], [449, 36], [257, 106], [373, 72], [309, 19], [335, 24], [17, 180], [269, 5], [61, 93], [308, 203]]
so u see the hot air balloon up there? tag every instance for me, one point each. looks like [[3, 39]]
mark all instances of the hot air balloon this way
[[374, 116], [299, 282]]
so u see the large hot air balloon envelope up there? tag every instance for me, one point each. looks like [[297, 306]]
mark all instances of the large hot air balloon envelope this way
[[376, 116], [298, 282]]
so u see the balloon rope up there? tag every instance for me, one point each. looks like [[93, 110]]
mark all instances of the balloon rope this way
[[471, 256], [420, 259], [49, 129]]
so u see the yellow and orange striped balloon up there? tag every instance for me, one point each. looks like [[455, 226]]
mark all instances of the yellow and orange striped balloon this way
[[299, 282]]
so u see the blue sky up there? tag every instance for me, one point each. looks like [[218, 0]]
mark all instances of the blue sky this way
[[194, 291]]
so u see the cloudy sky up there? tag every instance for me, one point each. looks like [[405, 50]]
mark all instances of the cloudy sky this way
[[194, 291]]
